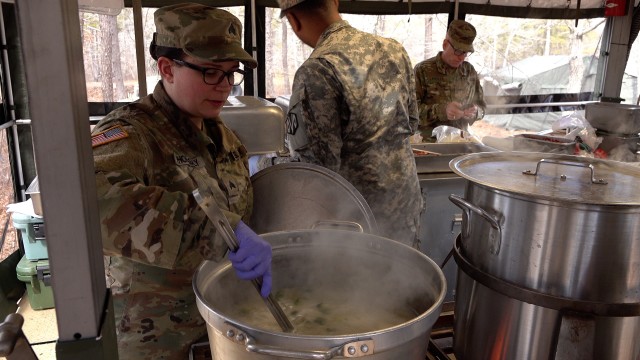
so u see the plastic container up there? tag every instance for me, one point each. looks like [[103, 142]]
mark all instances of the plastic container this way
[[37, 276], [33, 238]]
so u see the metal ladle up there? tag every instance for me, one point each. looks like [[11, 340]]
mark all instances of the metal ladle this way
[[221, 224]]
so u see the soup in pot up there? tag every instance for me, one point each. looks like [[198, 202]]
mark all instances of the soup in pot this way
[[314, 312]]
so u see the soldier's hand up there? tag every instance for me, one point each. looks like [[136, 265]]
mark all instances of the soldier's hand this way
[[471, 112], [253, 258], [454, 111]]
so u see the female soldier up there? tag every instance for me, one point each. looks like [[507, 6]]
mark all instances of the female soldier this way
[[149, 157]]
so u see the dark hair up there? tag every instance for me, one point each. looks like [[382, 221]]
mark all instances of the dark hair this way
[[168, 52]]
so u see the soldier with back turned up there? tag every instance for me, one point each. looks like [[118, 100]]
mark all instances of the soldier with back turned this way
[[353, 111]]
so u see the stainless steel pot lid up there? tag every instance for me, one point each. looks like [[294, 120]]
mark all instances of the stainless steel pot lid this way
[[553, 177], [299, 196]]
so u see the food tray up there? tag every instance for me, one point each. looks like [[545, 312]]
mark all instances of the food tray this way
[[440, 154], [257, 122]]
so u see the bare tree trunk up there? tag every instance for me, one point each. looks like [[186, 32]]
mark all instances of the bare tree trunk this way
[[494, 53], [379, 28], [576, 65], [106, 64], [268, 58], [85, 49], [508, 48], [305, 51], [547, 40], [285, 61], [428, 37], [116, 60], [90, 51], [301, 51]]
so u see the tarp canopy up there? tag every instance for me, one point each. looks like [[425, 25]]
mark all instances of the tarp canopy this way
[[543, 9]]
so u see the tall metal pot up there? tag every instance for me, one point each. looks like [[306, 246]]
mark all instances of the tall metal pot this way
[[562, 225], [547, 236], [361, 267]]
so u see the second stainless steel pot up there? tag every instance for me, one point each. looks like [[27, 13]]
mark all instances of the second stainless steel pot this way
[[548, 254], [558, 224]]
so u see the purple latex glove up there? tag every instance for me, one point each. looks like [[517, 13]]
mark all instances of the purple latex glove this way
[[253, 258]]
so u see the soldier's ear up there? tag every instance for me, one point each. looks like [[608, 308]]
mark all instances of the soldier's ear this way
[[165, 68], [293, 21]]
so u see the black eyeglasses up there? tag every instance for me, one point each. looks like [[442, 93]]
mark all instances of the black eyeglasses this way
[[459, 52], [213, 76]]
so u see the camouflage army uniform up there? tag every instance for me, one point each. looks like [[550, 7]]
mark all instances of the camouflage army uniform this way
[[154, 233], [352, 110], [438, 84]]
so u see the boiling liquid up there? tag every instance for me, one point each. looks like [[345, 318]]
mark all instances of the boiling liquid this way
[[322, 313]]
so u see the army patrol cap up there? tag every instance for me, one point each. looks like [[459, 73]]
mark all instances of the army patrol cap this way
[[287, 4], [203, 32], [461, 35]]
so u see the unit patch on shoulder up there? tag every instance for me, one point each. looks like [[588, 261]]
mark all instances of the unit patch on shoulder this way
[[111, 134]]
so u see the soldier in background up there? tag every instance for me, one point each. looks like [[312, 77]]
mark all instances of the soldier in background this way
[[353, 109], [447, 87], [149, 157]]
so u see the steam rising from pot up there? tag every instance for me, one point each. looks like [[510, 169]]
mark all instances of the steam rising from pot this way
[[382, 276]]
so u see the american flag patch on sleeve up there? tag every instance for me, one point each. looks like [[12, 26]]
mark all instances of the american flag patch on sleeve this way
[[111, 134]]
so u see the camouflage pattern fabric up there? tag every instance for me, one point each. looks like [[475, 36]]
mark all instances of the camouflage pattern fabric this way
[[438, 84], [286, 5], [154, 234], [461, 35], [352, 111], [201, 31]]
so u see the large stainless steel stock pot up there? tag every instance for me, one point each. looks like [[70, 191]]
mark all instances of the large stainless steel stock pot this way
[[358, 268], [549, 254], [565, 225]]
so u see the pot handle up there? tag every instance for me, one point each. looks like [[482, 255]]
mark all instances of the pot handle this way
[[467, 209], [567, 163], [348, 350], [338, 225]]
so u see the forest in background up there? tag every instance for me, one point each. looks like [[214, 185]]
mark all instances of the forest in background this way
[[110, 63]]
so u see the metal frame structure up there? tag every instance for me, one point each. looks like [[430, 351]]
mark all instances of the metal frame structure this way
[[50, 37], [51, 47]]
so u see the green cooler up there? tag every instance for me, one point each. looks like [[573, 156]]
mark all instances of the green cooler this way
[[37, 276], [33, 236]]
